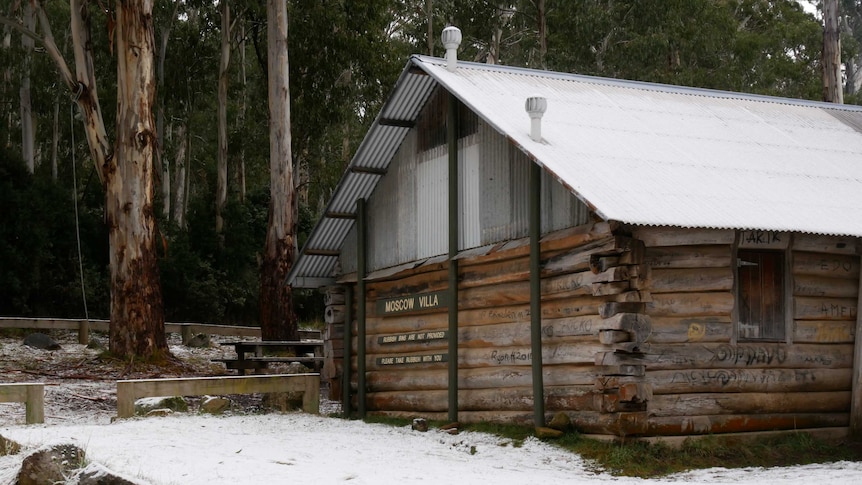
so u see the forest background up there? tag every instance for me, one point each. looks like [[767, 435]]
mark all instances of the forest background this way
[[345, 56]]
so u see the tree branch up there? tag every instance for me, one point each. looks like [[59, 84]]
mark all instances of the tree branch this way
[[52, 49], [21, 29]]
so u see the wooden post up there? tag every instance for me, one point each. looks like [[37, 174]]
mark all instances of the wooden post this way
[[31, 394], [35, 404], [345, 367], [856, 388], [360, 309], [84, 332], [186, 333], [536, 294], [452, 133]]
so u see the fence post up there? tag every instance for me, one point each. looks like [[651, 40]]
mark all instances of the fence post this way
[[35, 404], [84, 332]]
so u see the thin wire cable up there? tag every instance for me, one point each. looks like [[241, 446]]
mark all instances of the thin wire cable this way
[[75, 199]]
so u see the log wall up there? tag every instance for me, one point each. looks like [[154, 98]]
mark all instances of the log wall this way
[[591, 297], [638, 335], [705, 378]]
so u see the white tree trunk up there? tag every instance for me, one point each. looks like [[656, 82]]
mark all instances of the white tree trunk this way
[[241, 115], [180, 177], [55, 139], [160, 119], [28, 138], [833, 87], [278, 322], [224, 65]]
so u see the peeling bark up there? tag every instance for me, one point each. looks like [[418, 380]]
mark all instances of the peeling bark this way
[[137, 316]]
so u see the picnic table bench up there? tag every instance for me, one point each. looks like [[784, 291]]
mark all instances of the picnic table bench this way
[[253, 354]]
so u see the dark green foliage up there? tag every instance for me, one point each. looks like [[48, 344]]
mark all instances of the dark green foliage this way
[[38, 248], [345, 57]]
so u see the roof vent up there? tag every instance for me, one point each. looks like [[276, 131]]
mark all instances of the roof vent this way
[[451, 38], [536, 106]]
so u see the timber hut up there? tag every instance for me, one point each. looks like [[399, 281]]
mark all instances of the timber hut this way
[[652, 260]]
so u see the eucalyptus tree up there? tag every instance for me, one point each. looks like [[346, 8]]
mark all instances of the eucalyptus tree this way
[[125, 169], [278, 320], [28, 137]]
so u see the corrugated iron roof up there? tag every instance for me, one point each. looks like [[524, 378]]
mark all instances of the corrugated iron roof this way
[[638, 153]]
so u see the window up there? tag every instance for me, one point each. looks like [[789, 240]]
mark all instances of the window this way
[[761, 295]]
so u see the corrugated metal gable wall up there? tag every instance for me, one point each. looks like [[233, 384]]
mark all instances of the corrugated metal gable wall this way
[[408, 212]]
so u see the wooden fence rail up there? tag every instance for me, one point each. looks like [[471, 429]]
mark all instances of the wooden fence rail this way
[[130, 390], [187, 330], [32, 394]]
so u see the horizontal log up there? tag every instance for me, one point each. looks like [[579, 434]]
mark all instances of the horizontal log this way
[[690, 280], [494, 273], [566, 353], [581, 283], [691, 304], [334, 296], [695, 425], [577, 236], [500, 417], [577, 260], [826, 265], [505, 399], [407, 323], [688, 257], [690, 329], [574, 329], [494, 296], [743, 355], [824, 332], [409, 284], [481, 378], [812, 308], [566, 239], [416, 401], [613, 424], [808, 285], [672, 236], [748, 380], [562, 353], [749, 403], [571, 307], [825, 244]]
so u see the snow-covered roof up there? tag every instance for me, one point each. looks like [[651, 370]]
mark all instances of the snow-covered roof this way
[[634, 152]]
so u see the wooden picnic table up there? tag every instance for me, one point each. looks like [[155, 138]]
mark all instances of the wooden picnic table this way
[[253, 354]]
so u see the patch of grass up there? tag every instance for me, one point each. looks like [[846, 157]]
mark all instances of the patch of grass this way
[[516, 433], [648, 460], [388, 420], [642, 459]]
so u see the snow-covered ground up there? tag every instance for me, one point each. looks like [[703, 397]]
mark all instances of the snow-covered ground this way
[[239, 449], [300, 448]]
